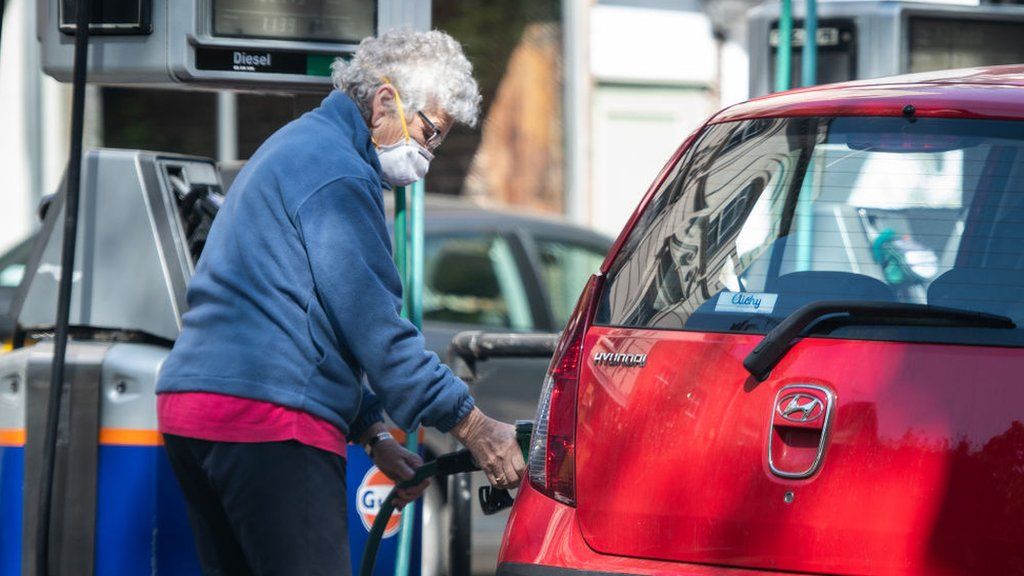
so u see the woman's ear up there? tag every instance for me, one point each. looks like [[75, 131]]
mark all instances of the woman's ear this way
[[383, 105]]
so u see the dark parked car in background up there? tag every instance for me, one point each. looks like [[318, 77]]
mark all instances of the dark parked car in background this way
[[504, 272]]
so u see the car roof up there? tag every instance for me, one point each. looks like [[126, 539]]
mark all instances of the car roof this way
[[993, 92], [451, 214]]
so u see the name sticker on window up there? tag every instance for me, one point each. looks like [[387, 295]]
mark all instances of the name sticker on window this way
[[749, 302]]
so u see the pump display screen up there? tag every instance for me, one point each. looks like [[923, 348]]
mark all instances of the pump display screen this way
[[109, 16], [938, 44], [339, 21]]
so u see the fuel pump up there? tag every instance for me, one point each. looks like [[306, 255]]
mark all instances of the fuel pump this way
[[842, 40], [139, 228]]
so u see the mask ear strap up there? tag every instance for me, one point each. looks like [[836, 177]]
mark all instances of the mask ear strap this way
[[401, 109]]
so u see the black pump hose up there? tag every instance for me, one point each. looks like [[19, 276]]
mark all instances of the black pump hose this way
[[42, 535], [2, 3], [446, 465], [461, 461]]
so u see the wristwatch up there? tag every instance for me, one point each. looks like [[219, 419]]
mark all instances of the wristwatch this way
[[373, 441]]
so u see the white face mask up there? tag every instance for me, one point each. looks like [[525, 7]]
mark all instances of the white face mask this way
[[404, 162]]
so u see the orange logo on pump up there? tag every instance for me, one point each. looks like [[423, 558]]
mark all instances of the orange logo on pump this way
[[370, 496]]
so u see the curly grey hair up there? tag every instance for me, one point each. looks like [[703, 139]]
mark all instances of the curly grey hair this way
[[428, 69]]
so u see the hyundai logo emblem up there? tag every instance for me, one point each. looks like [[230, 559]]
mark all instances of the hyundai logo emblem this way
[[799, 429], [800, 407]]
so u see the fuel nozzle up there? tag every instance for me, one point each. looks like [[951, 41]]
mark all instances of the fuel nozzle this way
[[524, 431], [494, 500]]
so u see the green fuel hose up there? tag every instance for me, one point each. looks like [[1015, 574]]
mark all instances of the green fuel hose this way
[[451, 463]]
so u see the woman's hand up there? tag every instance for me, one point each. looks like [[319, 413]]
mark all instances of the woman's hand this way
[[494, 448], [399, 465]]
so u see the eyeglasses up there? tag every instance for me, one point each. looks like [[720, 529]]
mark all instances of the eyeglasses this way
[[436, 137]]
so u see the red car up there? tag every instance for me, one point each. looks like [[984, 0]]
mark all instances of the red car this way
[[805, 353]]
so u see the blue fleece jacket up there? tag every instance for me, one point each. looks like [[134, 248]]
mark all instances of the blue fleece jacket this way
[[296, 295]]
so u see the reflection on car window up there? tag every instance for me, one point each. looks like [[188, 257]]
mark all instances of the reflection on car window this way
[[474, 280], [754, 224], [565, 269]]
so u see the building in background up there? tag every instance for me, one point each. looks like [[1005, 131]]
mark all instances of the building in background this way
[[34, 116], [519, 160], [656, 71], [594, 101], [584, 101]]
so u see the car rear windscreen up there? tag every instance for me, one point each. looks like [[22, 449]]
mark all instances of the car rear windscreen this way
[[761, 217]]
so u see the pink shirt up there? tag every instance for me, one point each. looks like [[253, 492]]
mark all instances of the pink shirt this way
[[223, 418]]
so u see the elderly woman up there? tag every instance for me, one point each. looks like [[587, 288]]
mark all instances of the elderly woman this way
[[294, 301]]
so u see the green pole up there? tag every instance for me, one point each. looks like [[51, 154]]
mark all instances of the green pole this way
[[413, 308], [401, 245], [416, 214], [784, 53], [809, 59]]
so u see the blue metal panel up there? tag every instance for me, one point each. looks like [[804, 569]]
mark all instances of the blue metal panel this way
[[174, 541], [12, 479], [141, 523]]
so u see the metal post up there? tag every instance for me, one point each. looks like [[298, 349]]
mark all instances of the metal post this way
[[414, 311], [784, 52], [809, 60], [575, 106], [401, 262], [227, 126], [401, 245]]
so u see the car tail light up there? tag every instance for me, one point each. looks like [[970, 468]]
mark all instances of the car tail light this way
[[552, 462]]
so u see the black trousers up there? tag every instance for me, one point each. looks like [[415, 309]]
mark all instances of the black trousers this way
[[262, 509]]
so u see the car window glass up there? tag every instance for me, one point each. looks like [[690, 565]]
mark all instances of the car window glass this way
[[565, 268], [474, 280], [766, 216]]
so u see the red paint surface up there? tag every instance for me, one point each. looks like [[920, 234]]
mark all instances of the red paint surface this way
[[542, 531], [923, 473], [994, 92]]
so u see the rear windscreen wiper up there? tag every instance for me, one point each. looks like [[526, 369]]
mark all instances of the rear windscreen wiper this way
[[777, 343]]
